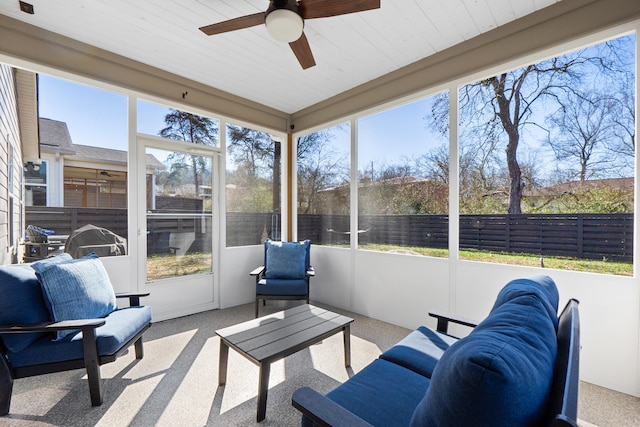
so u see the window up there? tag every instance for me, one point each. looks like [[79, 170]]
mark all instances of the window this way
[[547, 162], [36, 184], [172, 123], [84, 171], [403, 179], [323, 159], [252, 186]]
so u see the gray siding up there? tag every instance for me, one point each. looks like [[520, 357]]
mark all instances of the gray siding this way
[[10, 216]]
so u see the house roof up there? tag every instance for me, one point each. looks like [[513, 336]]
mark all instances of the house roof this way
[[571, 186], [55, 138]]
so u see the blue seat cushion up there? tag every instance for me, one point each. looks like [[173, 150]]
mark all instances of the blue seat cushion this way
[[500, 374], [420, 350], [382, 393], [282, 287], [76, 289], [120, 327], [286, 260], [21, 301]]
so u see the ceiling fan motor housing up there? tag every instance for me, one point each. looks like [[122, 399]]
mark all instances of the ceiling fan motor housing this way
[[283, 20]]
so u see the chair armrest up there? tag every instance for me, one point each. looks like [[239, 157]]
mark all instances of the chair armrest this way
[[51, 326], [323, 411], [258, 271], [445, 318], [311, 272], [134, 297]]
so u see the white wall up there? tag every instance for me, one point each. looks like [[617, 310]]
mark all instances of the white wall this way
[[401, 289]]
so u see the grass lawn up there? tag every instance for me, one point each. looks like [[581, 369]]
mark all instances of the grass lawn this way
[[561, 263], [163, 266]]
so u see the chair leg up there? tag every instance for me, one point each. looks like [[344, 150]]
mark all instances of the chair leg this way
[[92, 365], [257, 306], [139, 349], [6, 387]]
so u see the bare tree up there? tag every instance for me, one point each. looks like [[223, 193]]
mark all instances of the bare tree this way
[[579, 130], [499, 110], [319, 167]]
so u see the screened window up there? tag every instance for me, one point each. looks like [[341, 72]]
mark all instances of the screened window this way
[[403, 179], [323, 159], [547, 162], [252, 186], [84, 146]]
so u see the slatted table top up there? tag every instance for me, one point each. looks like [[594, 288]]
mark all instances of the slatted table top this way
[[272, 337]]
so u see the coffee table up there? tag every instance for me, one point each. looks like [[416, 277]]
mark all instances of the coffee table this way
[[270, 338]]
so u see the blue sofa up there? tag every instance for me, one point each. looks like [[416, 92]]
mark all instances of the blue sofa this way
[[518, 367], [60, 314]]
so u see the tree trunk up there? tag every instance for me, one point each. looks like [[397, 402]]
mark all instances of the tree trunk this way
[[515, 174]]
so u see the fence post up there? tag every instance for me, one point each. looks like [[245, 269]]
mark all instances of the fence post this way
[[580, 236], [507, 233]]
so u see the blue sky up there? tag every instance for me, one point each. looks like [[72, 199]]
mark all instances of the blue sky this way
[[94, 116], [98, 117]]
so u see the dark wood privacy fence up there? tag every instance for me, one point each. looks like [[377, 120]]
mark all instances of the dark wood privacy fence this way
[[64, 220], [589, 236]]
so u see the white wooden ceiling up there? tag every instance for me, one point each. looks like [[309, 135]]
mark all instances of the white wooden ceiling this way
[[349, 50]]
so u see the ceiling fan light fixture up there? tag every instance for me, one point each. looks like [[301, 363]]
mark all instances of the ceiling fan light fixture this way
[[284, 25]]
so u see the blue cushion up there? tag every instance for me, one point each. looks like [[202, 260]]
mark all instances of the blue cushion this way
[[282, 287], [420, 350], [120, 327], [286, 260], [500, 374], [542, 286], [63, 257], [21, 302], [77, 289], [382, 393]]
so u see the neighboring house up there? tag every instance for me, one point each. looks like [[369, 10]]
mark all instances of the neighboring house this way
[[622, 187], [74, 175], [18, 147], [407, 195]]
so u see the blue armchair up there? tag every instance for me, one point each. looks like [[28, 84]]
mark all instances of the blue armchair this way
[[60, 314], [285, 273]]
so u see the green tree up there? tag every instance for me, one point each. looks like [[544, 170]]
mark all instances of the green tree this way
[[187, 127]]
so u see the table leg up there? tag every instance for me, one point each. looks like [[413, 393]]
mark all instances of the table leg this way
[[347, 345], [263, 388], [222, 363]]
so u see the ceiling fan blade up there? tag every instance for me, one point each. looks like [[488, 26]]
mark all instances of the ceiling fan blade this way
[[310, 9], [302, 50], [234, 24]]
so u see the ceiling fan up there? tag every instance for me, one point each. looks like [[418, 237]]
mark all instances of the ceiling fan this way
[[284, 20]]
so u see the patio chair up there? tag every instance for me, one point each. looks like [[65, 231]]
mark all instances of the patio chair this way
[[286, 272]]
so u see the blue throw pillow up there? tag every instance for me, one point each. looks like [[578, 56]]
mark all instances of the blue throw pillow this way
[[77, 289], [500, 374], [63, 257], [542, 286], [286, 260]]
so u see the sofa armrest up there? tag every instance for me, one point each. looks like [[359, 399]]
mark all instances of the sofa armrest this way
[[445, 318], [52, 326], [323, 411], [258, 271], [134, 297]]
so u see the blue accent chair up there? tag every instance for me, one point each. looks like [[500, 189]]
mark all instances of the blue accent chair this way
[[60, 314], [286, 272]]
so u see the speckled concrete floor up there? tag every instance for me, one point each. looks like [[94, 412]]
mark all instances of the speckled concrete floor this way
[[176, 382]]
